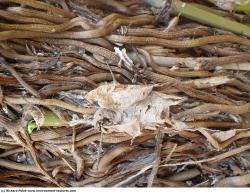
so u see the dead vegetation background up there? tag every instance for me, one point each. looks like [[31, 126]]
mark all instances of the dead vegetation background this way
[[121, 94]]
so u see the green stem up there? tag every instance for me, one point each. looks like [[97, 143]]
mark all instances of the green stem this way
[[244, 8], [194, 13], [50, 120], [236, 7]]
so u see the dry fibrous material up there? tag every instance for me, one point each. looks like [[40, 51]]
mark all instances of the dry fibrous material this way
[[120, 94], [131, 108]]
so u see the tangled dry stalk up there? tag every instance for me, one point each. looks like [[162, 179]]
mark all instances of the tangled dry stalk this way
[[135, 102]]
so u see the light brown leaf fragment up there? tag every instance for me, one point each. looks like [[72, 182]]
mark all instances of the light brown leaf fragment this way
[[129, 108]]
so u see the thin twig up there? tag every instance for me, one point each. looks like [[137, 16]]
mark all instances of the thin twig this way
[[159, 139], [49, 102], [19, 79], [134, 176]]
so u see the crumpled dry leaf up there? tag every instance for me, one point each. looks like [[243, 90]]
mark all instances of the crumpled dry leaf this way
[[129, 108], [132, 127], [118, 96], [222, 136]]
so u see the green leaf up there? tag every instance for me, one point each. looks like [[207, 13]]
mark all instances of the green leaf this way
[[50, 120], [31, 126]]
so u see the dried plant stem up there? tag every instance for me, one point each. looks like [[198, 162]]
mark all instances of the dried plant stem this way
[[212, 159], [49, 102], [19, 79], [157, 161], [236, 181]]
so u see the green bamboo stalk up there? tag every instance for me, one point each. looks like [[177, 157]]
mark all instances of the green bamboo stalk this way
[[205, 17], [197, 14], [244, 8], [50, 120], [236, 7]]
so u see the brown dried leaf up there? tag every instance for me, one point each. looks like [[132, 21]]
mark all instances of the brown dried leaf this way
[[113, 96], [132, 128], [222, 136], [129, 108]]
